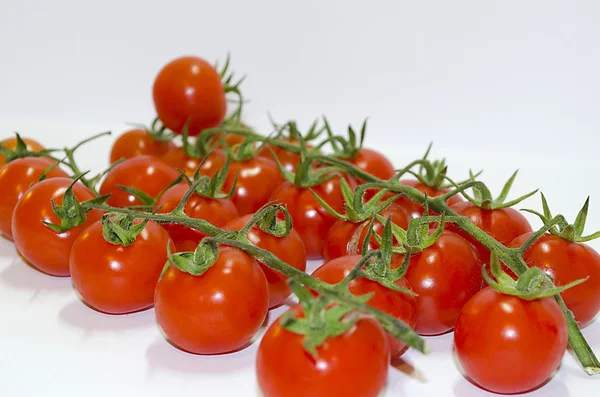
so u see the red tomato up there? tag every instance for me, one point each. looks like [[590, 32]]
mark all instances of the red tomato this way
[[230, 139], [352, 364], [416, 210], [503, 224], [216, 211], [287, 159], [217, 312], [509, 345], [444, 276], [289, 249], [394, 303], [189, 89], [146, 173], [15, 178], [43, 248], [310, 219], [564, 262], [177, 158], [347, 238], [115, 279], [11, 143], [257, 178], [374, 163], [136, 143]]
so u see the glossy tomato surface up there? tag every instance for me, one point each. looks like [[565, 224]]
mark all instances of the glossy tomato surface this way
[[15, 178], [178, 159], [216, 211], [115, 279], [310, 219], [289, 249], [352, 364], [444, 276], [347, 238], [11, 143], [189, 90], [509, 345], [146, 173], [394, 303], [138, 142], [374, 163], [565, 262], [257, 178], [43, 248], [217, 312]]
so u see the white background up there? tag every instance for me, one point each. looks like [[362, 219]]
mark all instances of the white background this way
[[497, 85]]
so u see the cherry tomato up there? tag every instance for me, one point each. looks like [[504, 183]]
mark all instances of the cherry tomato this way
[[289, 249], [257, 178], [216, 211], [15, 178], [136, 143], [288, 160], [115, 279], [352, 364], [310, 219], [374, 163], [503, 224], [11, 143], [509, 345], [230, 139], [189, 89], [416, 210], [347, 238], [564, 262], [146, 173], [394, 303], [43, 248], [177, 158], [444, 276], [217, 312]]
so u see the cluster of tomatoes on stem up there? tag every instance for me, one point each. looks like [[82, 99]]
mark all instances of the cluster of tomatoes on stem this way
[[212, 223]]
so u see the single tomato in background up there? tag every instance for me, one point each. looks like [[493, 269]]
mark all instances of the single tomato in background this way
[[374, 163], [509, 345], [189, 90], [11, 143], [15, 178], [43, 248], [179, 159], [217, 312], [138, 142], [289, 249]]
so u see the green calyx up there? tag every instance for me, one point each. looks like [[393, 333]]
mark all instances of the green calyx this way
[[148, 202], [346, 148], [321, 320], [120, 229], [212, 187], [71, 213], [156, 130], [267, 220], [197, 262], [356, 210], [230, 83], [242, 151], [21, 151], [563, 229], [483, 198], [430, 173], [533, 284]]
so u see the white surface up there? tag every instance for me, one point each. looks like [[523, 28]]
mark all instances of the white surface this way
[[458, 73]]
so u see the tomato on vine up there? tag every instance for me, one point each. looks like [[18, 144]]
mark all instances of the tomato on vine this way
[[210, 163], [138, 142], [11, 144]]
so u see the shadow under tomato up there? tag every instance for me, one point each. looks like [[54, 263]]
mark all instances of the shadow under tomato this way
[[77, 315], [19, 275], [439, 343]]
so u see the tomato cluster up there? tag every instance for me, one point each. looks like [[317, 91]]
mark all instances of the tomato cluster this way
[[170, 225]]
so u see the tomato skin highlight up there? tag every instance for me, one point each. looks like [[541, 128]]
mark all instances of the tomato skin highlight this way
[[394, 303], [177, 158], [44, 249], [444, 276], [189, 89], [374, 163], [289, 249], [15, 178], [415, 209], [257, 178], [509, 345], [217, 312], [216, 211], [310, 219], [138, 142], [146, 173], [285, 369], [503, 224], [115, 279], [565, 262], [347, 238], [11, 143]]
